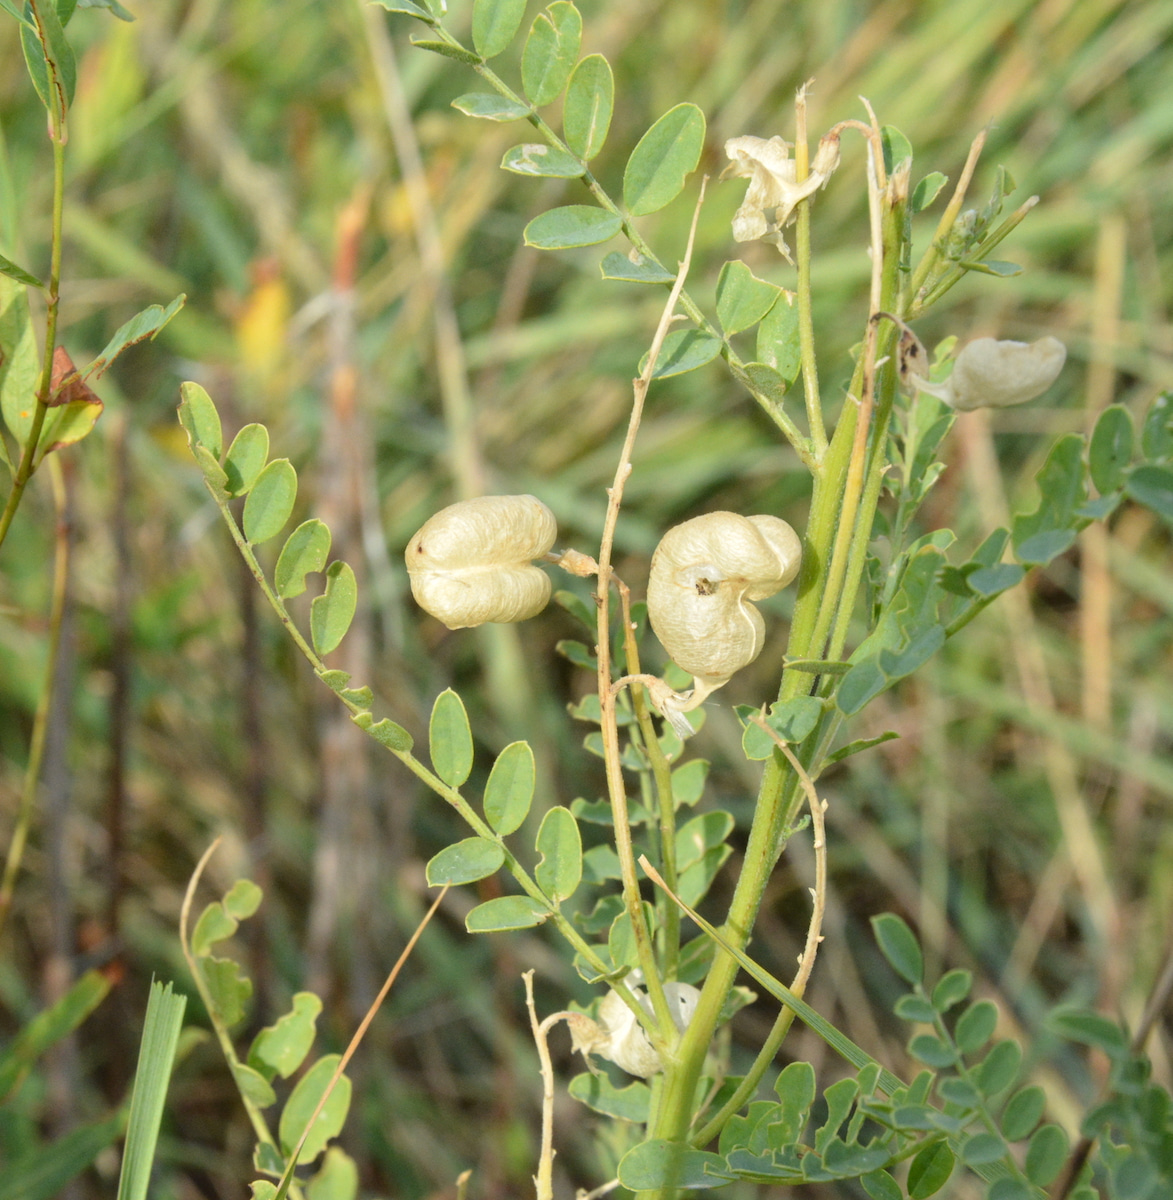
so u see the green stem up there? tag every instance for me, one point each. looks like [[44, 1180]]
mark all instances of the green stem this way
[[667, 914], [775, 809], [28, 455], [802, 258], [255, 1116], [437, 785], [32, 773], [803, 446]]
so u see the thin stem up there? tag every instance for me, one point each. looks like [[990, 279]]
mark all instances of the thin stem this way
[[437, 785], [668, 915], [32, 773], [835, 600], [286, 1184], [255, 1116], [802, 258], [936, 250], [28, 454], [544, 1180], [802, 445], [616, 788]]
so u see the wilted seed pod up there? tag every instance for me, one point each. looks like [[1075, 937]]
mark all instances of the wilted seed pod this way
[[704, 573], [471, 562]]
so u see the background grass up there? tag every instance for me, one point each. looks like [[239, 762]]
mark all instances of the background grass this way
[[255, 157]]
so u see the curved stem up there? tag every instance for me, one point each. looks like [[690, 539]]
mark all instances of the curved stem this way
[[616, 788], [668, 915], [255, 1116], [803, 446], [32, 773]]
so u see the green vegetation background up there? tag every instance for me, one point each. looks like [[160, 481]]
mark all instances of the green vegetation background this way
[[249, 154]]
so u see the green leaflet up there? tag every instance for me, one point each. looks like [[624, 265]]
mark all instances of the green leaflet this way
[[570, 226], [663, 159], [559, 871], [550, 51], [270, 502], [450, 739], [586, 114], [332, 612]]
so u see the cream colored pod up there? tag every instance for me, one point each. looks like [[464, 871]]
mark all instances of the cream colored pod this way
[[998, 374], [619, 1037], [704, 574], [472, 562]]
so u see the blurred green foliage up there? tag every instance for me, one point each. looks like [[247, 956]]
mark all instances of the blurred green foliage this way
[[248, 155]]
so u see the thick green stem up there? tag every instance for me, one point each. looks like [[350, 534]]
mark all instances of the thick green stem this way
[[776, 809]]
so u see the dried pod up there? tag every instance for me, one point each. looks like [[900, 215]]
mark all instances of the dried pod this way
[[621, 1038], [997, 374], [704, 573], [472, 561]]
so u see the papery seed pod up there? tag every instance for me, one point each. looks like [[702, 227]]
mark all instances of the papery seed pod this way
[[624, 1042], [704, 573], [997, 374], [471, 562]]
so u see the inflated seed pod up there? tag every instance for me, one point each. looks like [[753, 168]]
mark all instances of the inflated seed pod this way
[[624, 1041], [997, 374], [471, 562], [704, 574]]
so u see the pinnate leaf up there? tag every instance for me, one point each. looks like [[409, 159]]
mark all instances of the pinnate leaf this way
[[1152, 486], [200, 420], [510, 789], [407, 8], [976, 1026], [299, 1109], [899, 946], [1046, 1155], [559, 843], [635, 269], [386, 732], [586, 113], [280, 1048], [494, 24], [538, 159], [684, 350], [270, 501], [145, 324], [663, 159], [336, 1178], [631, 1103], [778, 344], [306, 549], [504, 913], [332, 612], [572, 225], [465, 861], [550, 51], [230, 991], [450, 739], [929, 1171], [246, 458], [1110, 450], [742, 298], [489, 106]]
